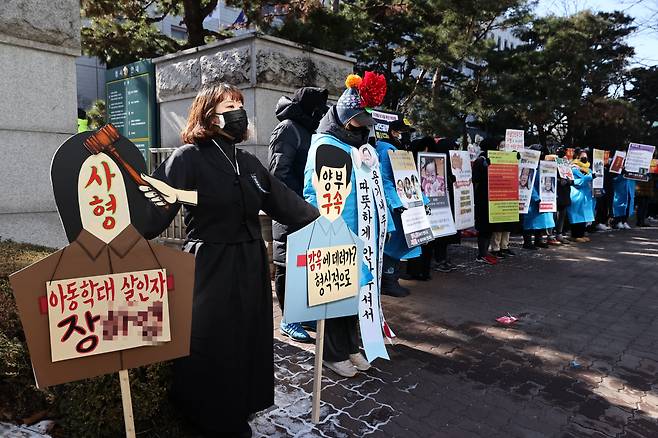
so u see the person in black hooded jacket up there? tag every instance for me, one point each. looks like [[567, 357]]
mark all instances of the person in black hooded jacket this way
[[288, 150]]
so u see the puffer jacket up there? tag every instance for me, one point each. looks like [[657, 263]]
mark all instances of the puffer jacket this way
[[288, 150]]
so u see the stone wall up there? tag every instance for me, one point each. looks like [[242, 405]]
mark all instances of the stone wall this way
[[39, 40], [265, 68]]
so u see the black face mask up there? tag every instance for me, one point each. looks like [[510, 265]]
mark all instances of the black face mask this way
[[561, 154], [405, 139], [235, 124], [362, 133], [584, 160]]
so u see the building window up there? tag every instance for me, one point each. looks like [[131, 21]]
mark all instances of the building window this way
[[506, 46], [179, 33], [499, 43]]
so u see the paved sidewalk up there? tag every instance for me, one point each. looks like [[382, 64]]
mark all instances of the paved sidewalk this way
[[455, 373]]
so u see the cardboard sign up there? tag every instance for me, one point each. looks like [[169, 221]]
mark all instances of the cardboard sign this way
[[503, 187], [65, 300], [598, 167], [432, 170], [564, 168], [618, 162], [638, 161], [416, 224], [514, 140], [332, 274], [527, 173], [547, 186], [463, 189], [103, 313], [332, 184], [382, 120]]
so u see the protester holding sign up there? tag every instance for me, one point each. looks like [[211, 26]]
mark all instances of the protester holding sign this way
[[289, 143], [346, 126], [396, 248], [623, 201], [502, 230], [565, 181], [481, 190], [536, 222], [644, 193], [437, 168], [581, 210], [229, 374]]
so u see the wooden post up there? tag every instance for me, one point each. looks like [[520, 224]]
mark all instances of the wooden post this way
[[317, 378], [126, 400]]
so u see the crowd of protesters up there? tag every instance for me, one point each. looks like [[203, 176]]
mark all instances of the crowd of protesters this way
[[229, 373], [579, 211]]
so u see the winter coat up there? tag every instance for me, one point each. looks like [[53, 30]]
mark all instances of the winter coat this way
[[535, 220], [582, 203], [645, 189], [563, 192], [623, 199], [396, 247], [288, 150], [481, 193]]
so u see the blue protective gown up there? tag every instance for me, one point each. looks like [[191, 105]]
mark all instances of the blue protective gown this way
[[623, 199], [534, 220], [396, 247], [582, 202]]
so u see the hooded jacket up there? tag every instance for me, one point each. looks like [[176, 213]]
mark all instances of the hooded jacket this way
[[288, 149]]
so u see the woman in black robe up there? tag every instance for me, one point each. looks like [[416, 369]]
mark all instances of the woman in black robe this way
[[229, 374]]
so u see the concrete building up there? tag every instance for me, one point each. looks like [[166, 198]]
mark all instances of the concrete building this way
[[39, 42]]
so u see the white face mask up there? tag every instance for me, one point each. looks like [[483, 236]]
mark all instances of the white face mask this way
[[102, 198]]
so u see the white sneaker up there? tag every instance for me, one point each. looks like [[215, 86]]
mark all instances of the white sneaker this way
[[601, 227], [359, 362], [620, 226], [343, 368], [626, 226]]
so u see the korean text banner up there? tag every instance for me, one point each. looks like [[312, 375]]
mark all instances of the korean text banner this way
[[598, 167], [382, 120], [332, 274], [638, 161], [547, 186], [463, 189], [416, 225], [514, 140], [103, 313], [503, 187], [527, 172], [432, 169]]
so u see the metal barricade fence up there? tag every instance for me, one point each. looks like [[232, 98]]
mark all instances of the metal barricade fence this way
[[175, 233]]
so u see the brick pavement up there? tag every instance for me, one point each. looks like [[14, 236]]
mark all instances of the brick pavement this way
[[455, 373]]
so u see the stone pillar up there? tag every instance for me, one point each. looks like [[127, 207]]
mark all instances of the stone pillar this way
[[39, 40], [264, 67]]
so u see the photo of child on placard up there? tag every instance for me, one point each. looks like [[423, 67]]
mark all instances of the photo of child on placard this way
[[549, 184], [525, 178], [432, 177]]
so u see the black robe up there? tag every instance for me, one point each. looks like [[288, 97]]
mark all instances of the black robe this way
[[229, 373]]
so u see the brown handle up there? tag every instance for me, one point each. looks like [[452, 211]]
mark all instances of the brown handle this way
[[131, 171]]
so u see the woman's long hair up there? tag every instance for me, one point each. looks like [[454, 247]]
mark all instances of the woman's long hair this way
[[200, 119]]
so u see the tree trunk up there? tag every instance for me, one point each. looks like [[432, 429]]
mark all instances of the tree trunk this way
[[193, 19], [436, 87], [335, 6]]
